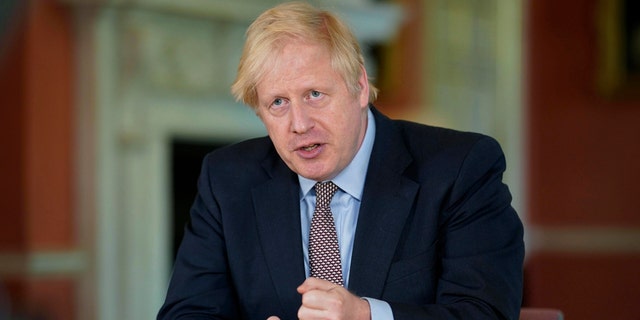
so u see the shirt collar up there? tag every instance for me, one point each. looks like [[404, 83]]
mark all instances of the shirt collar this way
[[351, 179]]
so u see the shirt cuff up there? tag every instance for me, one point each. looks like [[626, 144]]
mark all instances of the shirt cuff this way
[[380, 310]]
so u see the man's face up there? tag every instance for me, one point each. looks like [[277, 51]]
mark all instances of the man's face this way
[[316, 124]]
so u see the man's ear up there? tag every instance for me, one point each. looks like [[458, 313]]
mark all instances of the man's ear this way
[[363, 83]]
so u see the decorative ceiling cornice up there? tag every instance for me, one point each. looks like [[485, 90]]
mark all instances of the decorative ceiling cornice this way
[[371, 21]]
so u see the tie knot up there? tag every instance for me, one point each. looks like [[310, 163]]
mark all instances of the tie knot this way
[[324, 193]]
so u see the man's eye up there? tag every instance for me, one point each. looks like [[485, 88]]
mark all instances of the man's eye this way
[[278, 106], [315, 94]]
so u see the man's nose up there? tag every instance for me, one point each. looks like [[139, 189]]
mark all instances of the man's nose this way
[[301, 118]]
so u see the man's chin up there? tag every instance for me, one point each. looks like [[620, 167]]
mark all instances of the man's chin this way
[[315, 175]]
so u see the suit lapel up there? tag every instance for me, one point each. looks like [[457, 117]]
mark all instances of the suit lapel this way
[[278, 220], [386, 202]]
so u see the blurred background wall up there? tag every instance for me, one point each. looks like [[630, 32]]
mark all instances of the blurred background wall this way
[[582, 109], [107, 107]]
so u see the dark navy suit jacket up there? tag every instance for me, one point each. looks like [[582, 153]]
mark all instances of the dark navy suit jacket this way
[[436, 238]]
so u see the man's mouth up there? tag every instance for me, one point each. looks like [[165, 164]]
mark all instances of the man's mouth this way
[[310, 147]]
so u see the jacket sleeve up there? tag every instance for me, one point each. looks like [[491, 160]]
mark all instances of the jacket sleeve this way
[[200, 286], [482, 248]]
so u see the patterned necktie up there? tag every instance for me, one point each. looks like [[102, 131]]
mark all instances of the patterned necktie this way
[[324, 253]]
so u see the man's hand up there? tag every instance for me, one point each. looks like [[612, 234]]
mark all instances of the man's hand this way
[[322, 299]]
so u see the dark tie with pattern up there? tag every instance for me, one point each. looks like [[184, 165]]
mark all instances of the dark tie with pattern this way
[[324, 253]]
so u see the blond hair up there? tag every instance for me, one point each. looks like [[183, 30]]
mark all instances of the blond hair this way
[[297, 21]]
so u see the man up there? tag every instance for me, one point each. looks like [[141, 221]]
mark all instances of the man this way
[[423, 222]]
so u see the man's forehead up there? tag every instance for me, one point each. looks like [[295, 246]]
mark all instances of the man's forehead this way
[[298, 64]]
